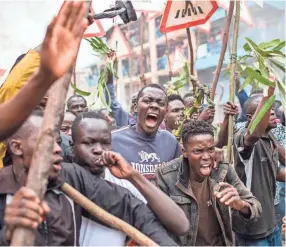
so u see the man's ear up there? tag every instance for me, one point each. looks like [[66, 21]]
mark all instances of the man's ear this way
[[248, 117], [185, 154], [135, 107], [16, 147]]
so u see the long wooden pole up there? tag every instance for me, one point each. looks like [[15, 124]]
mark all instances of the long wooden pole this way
[[106, 217], [223, 49], [191, 51], [232, 77], [42, 160], [142, 48], [168, 57]]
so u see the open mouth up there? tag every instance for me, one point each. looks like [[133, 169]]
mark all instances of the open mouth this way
[[205, 169], [151, 120], [57, 164]]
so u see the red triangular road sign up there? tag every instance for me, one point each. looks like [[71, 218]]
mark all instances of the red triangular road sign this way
[[95, 29], [183, 14], [119, 43]]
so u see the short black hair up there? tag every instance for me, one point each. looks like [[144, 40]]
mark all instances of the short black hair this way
[[188, 95], [173, 97], [196, 127], [257, 91], [74, 96], [84, 115], [152, 85], [27, 127], [248, 107]]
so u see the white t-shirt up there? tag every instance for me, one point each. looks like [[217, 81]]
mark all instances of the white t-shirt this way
[[95, 234]]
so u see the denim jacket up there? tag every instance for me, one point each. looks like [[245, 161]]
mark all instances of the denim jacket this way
[[173, 179]]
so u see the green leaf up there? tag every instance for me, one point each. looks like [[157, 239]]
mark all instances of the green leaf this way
[[278, 65], [268, 104], [280, 46], [244, 57], [275, 53], [258, 77], [180, 84], [272, 43], [102, 97], [247, 47], [110, 66], [262, 67], [248, 80], [279, 59], [256, 48], [78, 91]]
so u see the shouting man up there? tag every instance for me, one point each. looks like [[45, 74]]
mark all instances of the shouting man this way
[[206, 195], [150, 147], [58, 220], [92, 145]]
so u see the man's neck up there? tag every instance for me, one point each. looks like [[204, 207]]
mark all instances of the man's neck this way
[[195, 177], [143, 133]]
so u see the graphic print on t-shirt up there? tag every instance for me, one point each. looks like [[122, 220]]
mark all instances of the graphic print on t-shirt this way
[[146, 164], [145, 153]]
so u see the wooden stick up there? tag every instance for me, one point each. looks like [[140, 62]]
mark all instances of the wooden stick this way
[[232, 77], [223, 49], [191, 51], [168, 56], [42, 160], [141, 44], [106, 217]]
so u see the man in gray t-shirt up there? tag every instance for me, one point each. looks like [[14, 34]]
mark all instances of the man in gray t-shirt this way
[[143, 145]]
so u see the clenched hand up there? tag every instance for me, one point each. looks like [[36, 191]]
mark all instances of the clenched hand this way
[[25, 210], [61, 44], [117, 165]]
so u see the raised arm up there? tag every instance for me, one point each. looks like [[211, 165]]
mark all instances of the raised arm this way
[[120, 115], [251, 139], [57, 54], [169, 213], [229, 109]]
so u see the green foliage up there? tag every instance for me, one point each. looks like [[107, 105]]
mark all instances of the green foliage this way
[[254, 67], [110, 66], [78, 91], [268, 104]]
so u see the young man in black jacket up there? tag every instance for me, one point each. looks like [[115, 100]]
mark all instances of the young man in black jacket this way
[[58, 219]]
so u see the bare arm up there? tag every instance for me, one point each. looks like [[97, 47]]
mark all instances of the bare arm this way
[[281, 175], [251, 139], [15, 111], [229, 109], [57, 54], [169, 213]]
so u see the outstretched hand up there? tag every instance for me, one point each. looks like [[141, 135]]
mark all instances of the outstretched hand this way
[[61, 44], [117, 165]]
